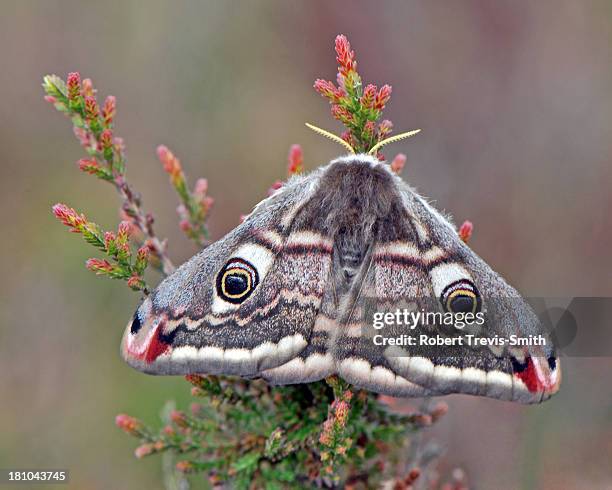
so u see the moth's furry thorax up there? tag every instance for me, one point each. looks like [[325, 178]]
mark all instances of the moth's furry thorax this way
[[355, 196]]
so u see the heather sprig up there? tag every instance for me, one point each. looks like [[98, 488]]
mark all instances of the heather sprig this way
[[121, 263], [195, 205], [257, 436], [106, 159], [356, 107], [334, 437]]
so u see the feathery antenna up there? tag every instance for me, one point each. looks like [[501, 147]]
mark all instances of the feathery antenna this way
[[392, 139], [331, 136]]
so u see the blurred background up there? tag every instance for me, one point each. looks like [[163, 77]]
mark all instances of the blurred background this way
[[514, 99]]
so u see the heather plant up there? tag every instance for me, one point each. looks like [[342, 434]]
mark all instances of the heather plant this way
[[245, 433]]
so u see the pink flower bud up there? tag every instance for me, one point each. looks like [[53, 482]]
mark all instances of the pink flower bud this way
[[382, 97], [109, 240], [73, 83], [88, 90], [185, 225], [143, 254], [369, 94], [70, 217], [50, 99], [342, 114], [345, 56], [134, 230], [92, 110], [129, 424], [123, 231], [144, 450], [398, 163], [172, 165], [89, 165], [99, 266], [135, 283], [296, 159], [384, 128], [465, 231], [106, 139], [329, 90], [109, 110], [201, 187]]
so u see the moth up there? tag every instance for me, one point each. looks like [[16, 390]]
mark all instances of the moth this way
[[289, 294]]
